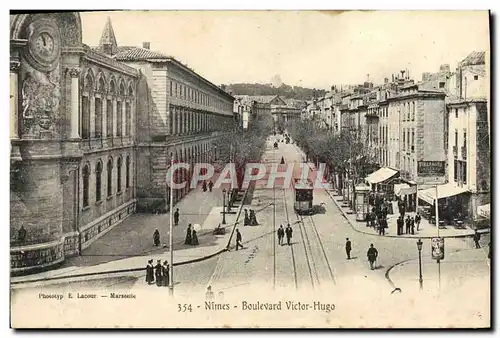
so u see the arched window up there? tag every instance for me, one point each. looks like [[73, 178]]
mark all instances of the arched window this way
[[88, 85], [109, 111], [110, 176], [119, 175], [98, 180], [86, 176], [127, 119], [119, 120], [127, 172]]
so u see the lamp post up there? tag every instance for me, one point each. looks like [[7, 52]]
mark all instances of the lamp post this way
[[419, 247], [229, 200], [170, 235], [223, 206]]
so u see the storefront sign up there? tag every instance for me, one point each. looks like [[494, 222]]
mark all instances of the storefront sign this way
[[408, 191], [430, 168], [437, 248]]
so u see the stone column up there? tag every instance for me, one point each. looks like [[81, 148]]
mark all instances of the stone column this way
[[14, 99], [75, 102]]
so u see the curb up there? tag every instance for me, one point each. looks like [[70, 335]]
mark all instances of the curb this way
[[393, 236], [189, 261]]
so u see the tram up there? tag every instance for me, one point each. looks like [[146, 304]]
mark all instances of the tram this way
[[303, 203]]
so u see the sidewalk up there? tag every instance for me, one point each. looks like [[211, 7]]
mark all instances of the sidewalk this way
[[458, 271], [128, 246], [427, 230]]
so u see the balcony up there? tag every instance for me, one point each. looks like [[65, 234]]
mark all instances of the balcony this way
[[464, 153], [455, 151]]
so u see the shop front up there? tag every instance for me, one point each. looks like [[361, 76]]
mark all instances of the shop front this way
[[452, 203], [382, 182]]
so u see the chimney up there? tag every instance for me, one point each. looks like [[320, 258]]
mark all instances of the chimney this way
[[146, 45], [223, 87]]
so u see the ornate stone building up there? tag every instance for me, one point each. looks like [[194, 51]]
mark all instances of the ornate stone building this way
[[82, 122]]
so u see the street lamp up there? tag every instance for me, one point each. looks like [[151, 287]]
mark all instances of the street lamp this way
[[229, 200], [419, 247], [223, 206]]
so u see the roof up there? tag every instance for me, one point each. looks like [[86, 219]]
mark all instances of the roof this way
[[262, 98], [474, 58], [139, 54]]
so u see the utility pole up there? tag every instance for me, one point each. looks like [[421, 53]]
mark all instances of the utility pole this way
[[171, 241]]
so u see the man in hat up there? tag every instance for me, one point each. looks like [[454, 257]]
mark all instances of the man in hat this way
[[372, 255], [281, 234], [477, 237], [348, 248], [238, 239], [209, 295], [176, 217], [288, 233]]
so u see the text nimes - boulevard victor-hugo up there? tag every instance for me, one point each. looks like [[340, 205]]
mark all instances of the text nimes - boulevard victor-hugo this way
[[278, 306]]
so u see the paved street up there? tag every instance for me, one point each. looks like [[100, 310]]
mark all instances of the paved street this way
[[314, 267]]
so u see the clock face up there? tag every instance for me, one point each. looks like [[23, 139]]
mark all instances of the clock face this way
[[43, 45]]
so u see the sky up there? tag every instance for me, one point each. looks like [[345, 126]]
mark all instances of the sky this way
[[305, 48]]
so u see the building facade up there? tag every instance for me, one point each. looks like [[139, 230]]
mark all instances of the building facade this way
[[83, 120]]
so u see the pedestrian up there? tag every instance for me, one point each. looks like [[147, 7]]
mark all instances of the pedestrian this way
[[210, 185], [209, 295], [188, 235], [150, 272], [477, 237], [288, 233], [412, 225], [372, 255], [253, 219], [247, 218], [400, 225], [281, 234], [407, 222], [348, 248], [238, 239], [158, 274], [368, 218], [220, 297], [204, 186], [381, 227], [176, 216], [156, 237], [21, 234], [194, 239], [165, 270], [418, 218]]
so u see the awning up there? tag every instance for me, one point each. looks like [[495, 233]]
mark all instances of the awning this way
[[484, 211], [381, 175], [444, 190], [404, 189]]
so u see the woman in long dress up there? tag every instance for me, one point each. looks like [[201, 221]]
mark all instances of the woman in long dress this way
[[149, 272], [194, 239], [188, 235], [156, 237], [166, 273]]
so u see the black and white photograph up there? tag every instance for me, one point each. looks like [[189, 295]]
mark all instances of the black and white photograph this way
[[250, 169]]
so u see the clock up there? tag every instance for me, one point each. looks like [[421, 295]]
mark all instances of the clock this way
[[44, 45]]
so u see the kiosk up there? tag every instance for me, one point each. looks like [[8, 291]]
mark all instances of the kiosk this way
[[361, 202]]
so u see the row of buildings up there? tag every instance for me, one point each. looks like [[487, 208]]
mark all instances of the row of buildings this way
[[93, 131], [281, 109], [421, 134]]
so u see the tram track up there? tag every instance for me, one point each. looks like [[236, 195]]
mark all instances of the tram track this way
[[294, 264]]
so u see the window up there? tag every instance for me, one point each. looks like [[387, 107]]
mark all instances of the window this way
[[127, 172], [441, 84], [455, 171], [456, 138], [110, 176], [463, 172], [171, 88], [98, 117], [119, 118], [176, 90], [98, 177], [404, 139], [109, 118], [456, 113], [465, 138], [412, 141], [119, 175], [413, 112], [408, 140], [86, 176], [85, 117], [476, 77], [128, 119]]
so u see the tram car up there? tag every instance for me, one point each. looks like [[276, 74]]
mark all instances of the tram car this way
[[303, 203]]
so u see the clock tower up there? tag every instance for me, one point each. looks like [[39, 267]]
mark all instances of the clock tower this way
[[45, 53]]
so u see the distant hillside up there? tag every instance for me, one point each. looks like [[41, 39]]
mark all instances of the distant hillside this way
[[295, 92]]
